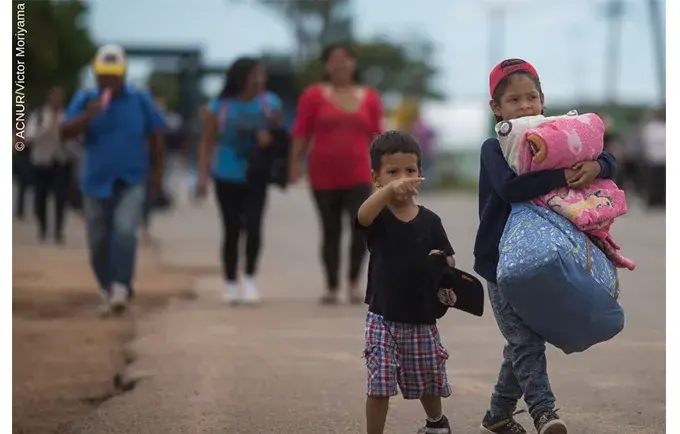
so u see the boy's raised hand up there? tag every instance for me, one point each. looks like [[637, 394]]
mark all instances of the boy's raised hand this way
[[405, 188]]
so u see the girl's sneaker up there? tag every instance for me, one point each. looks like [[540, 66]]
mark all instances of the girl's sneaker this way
[[230, 294], [501, 426], [440, 427], [550, 423], [250, 293]]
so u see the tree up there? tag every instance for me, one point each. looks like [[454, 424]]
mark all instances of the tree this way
[[390, 67], [404, 67], [58, 46], [314, 23]]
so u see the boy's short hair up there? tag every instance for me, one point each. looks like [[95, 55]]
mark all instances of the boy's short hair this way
[[393, 142]]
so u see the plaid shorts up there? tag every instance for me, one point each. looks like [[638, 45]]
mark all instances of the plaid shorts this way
[[409, 355]]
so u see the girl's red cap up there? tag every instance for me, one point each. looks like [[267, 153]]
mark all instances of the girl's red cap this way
[[507, 67]]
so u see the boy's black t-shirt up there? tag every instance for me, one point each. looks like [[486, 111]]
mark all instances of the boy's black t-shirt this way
[[398, 283]]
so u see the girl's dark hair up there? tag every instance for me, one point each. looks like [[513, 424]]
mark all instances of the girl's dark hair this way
[[505, 82], [237, 76], [326, 54], [392, 142]]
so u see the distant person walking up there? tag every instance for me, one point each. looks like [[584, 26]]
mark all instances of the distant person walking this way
[[51, 163], [408, 118], [336, 121], [654, 153], [237, 128], [119, 124], [22, 173]]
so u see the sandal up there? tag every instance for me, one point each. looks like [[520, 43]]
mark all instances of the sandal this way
[[329, 298], [355, 295]]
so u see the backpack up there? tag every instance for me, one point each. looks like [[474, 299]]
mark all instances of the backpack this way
[[265, 165]]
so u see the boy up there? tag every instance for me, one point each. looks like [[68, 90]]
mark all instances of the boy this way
[[402, 344]]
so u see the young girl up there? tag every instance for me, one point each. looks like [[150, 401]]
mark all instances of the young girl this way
[[516, 92], [402, 344], [237, 123]]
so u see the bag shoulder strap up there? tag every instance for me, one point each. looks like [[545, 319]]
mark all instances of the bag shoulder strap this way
[[222, 113], [264, 104], [589, 267]]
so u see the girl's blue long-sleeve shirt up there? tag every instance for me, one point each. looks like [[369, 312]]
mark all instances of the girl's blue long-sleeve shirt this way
[[499, 187]]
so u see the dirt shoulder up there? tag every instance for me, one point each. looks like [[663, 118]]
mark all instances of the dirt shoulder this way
[[64, 357]]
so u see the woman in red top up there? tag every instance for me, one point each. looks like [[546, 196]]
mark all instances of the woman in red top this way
[[336, 121]]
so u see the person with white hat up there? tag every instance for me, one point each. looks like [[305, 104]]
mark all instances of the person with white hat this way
[[119, 124]]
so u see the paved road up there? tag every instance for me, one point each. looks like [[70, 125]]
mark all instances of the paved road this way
[[291, 366]]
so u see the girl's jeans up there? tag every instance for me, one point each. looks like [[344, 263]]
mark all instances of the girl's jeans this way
[[524, 370]]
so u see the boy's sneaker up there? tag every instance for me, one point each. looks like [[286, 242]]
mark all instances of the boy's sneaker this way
[[506, 425], [550, 423], [440, 427]]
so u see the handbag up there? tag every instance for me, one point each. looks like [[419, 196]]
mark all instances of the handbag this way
[[266, 165], [557, 280], [468, 290]]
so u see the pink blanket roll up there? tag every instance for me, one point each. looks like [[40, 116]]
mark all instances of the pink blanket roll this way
[[537, 143]]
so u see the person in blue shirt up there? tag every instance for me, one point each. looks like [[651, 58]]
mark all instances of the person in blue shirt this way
[[237, 125], [118, 125], [516, 92]]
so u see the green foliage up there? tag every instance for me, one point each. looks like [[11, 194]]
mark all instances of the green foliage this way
[[390, 66], [166, 86], [58, 46], [314, 22]]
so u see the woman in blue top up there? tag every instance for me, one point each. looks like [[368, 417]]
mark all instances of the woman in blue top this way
[[237, 122]]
